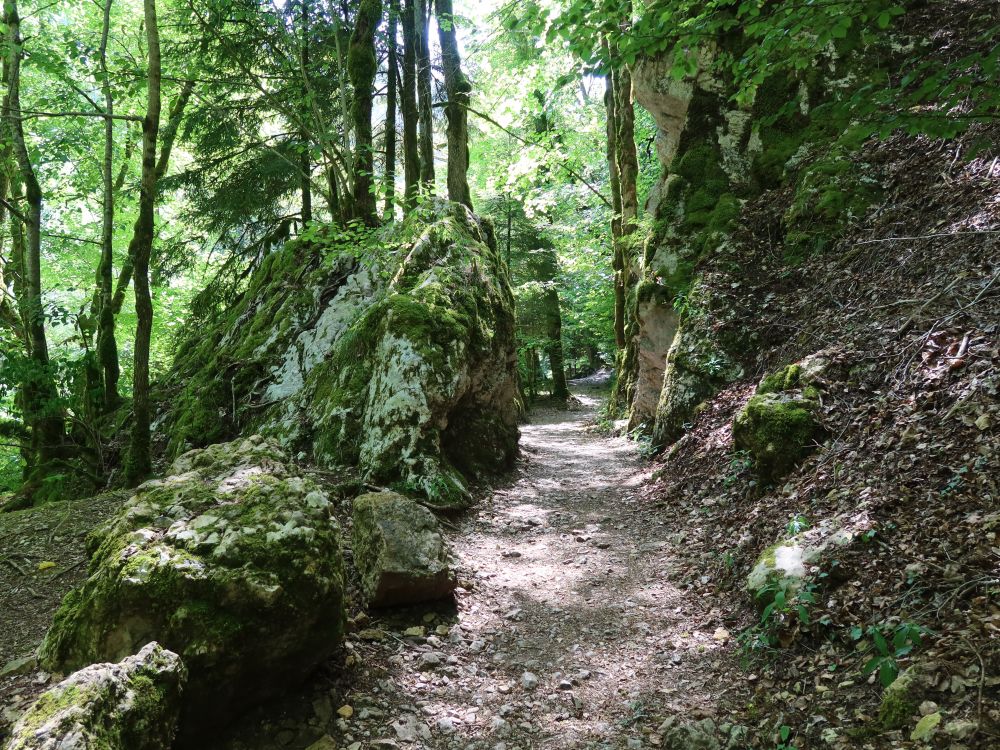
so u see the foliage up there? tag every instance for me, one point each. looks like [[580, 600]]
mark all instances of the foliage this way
[[783, 36], [889, 645]]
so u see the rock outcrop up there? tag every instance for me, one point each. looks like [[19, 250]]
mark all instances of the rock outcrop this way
[[231, 561], [131, 705], [399, 551], [391, 352]]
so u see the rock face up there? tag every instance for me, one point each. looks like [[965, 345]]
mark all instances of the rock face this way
[[230, 561], [778, 425], [399, 551], [401, 362], [131, 705]]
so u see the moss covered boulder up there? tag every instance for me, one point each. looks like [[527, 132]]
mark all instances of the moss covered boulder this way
[[399, 551], [778, 425], [131, 705], [231, 561], [391, 351]]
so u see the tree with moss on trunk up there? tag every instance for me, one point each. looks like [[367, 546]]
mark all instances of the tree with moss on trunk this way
[[139, 464], [457, 107], [362, 66]]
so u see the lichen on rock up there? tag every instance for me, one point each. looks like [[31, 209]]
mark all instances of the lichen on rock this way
[[778, 425], [399, 551], [231, 561], [401, 362], [130, 705], [788, 564]]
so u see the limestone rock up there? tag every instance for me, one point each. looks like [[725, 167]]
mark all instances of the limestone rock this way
[[399, 551], [786, 565], [901, 700], [778, 430], [778, 425], [230, 561], [697, 367], [402, 363], [131, 705]]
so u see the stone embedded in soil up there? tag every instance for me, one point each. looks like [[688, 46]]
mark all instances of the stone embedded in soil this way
[[785, 566], [231, 561], [131, 705], [399, 551]]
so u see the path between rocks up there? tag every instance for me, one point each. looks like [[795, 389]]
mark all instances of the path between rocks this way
[[567, 631]]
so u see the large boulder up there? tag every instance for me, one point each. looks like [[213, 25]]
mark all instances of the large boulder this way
[[399, 551], [393, 352], [131, 705], [231, 561]]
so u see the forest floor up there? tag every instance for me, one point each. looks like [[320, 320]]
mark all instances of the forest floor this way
[[566, 631]]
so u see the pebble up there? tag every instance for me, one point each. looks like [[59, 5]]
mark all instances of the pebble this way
[[430, 660], [529, 681], [446, 725], [345, 712]]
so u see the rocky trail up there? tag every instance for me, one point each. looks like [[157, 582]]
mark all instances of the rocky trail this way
[[566, 632]]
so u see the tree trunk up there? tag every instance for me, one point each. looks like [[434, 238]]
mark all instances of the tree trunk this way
[[617, 261], [139, 462], [554, 348], [411, 153], [362, 66], [457, 109], [305, 163], [167, 138], [39, 397], [422, 12], [389, 210], [107, 346], [627, 158]]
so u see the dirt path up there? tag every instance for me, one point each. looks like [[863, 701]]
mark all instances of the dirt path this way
[[567, 633]]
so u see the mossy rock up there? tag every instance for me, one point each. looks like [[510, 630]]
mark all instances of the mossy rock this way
[[393, 353], [131, 705], [232, 562], [779, 430], [901, 700], [399, 551], [788, 564], [697, 367]]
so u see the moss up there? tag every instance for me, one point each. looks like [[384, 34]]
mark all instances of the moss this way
[[778, 430], [899, 703], [784, 379]]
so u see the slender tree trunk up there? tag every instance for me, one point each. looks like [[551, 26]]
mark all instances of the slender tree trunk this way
[[107, 346], [554, 348], [411, 153], [361, 68], [617, 261], [140, 463], [422, 12], [628, 160], [39, 397], [305, 163], [389, 210], [167, 137], [457, 110]]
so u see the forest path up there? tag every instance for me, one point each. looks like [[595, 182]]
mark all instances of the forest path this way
[[567, 631]]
